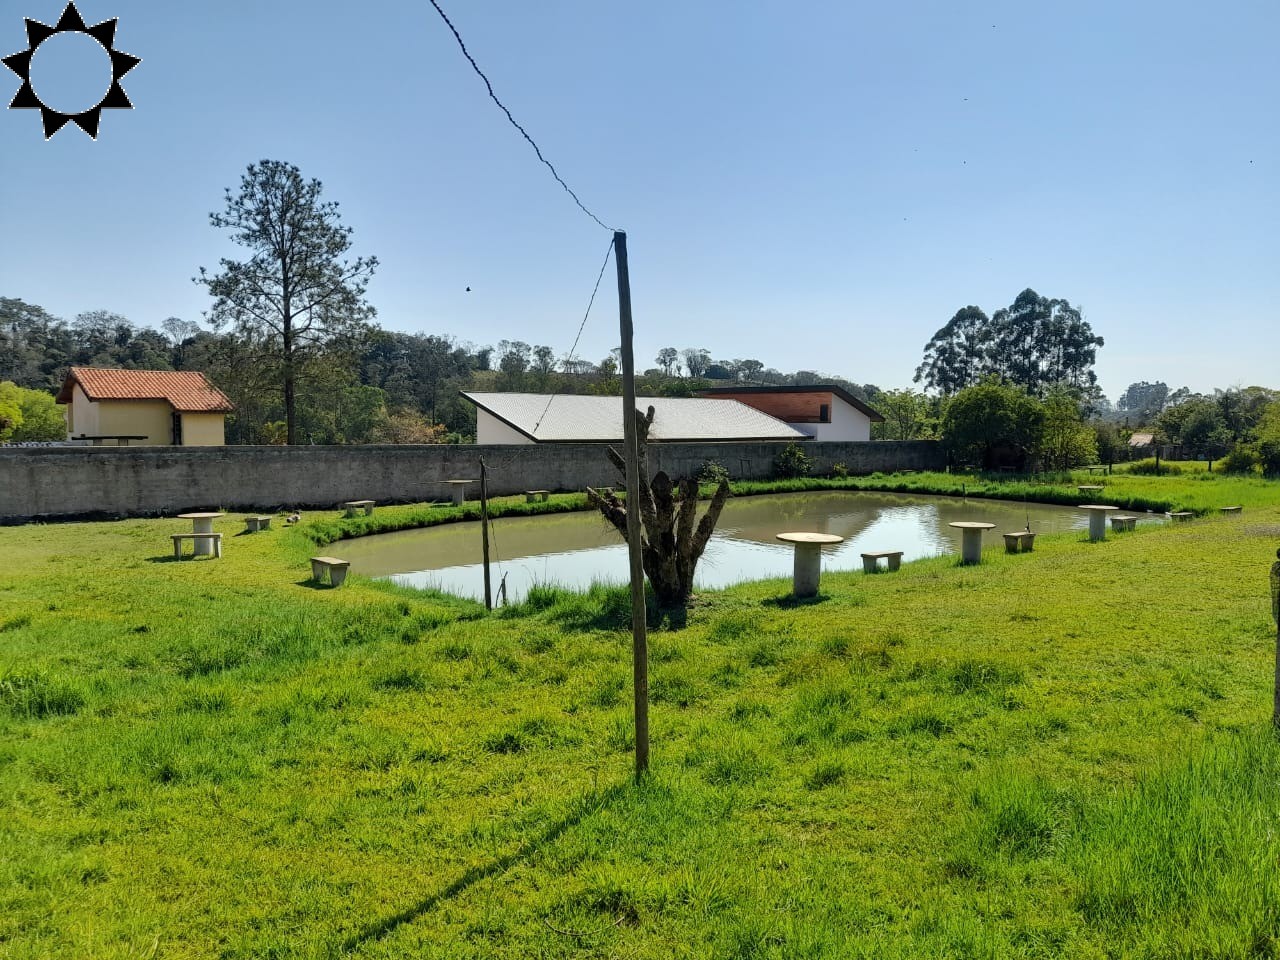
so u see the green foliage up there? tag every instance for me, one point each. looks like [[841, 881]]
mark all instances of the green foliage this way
[[1195, 423], [839, 471], [792, 462], [905, 412], [1241, 460], [1269, 440], [1066, 441], [10, 412], [1151, 467], [29, 415], [982, 422], [712, 472], [1036, 343]]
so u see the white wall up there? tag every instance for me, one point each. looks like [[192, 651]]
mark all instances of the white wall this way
[[491, 430], [848, 424]]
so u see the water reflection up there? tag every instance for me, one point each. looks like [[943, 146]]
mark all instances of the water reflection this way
[[579, 548]]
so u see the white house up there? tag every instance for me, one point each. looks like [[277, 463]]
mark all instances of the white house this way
[[820, 412], [522, 418]]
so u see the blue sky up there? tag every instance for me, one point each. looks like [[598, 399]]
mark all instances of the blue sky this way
[[818, 185]]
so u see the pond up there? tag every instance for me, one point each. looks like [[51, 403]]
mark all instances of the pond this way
[[576, 549]]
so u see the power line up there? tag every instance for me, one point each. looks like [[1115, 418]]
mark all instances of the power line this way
[[494, 97], [582, 326]]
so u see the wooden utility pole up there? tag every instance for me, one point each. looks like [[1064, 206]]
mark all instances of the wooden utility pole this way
[[639, 628], [484, 531], [1275, 613]]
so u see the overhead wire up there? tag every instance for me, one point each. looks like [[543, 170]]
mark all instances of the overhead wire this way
[[524, 133], [582, 326]]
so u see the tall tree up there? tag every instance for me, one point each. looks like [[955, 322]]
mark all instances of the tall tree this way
[[296, 292], [955, 357], [1142, 402], [1037, 343], [669, 360], [696, 360]]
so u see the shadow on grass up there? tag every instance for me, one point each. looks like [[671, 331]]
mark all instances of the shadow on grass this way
[[791, 602], [580, 810], [310, 584]]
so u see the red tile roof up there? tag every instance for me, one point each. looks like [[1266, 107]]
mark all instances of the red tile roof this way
[[185, 390]]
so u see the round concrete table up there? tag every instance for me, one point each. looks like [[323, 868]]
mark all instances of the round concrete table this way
[[459, 490], [971, 542], [1098, 520], [807, 568], [201, 523]]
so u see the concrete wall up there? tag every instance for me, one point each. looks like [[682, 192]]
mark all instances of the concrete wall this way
[[140, 481]]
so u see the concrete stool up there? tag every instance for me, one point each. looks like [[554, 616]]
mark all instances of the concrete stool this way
[[1181, 516], [337, 569], [458, 490], [1232, 511], [807, 569], [1088, 488], [1122, 522], [256, 524], [352, 507], [971, 543], [536, 496], [892, 560], [1097, 520], [1023, 541]]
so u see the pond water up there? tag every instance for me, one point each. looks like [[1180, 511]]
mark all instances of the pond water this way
[[576, 549]]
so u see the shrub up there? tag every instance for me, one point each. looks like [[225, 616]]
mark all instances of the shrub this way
[[792, 462], [1150, 468], [839, 471], [712, 472], [1243, 459]]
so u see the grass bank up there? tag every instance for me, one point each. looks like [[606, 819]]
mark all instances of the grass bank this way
[[1055, 754]]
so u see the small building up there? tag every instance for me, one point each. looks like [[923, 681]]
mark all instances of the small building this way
[[144, 407], [1142, 441], [820, 412], [524, 418]]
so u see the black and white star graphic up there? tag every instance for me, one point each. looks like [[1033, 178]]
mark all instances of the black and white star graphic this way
[[71, 22]]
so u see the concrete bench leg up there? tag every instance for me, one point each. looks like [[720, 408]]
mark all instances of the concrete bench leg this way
[[807, 570], [868, 564], [177, 549], [337, 575], [894, 563], [317, 571], [217, 549]]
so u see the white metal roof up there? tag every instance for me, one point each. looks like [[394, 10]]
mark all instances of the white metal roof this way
[[549, 418]]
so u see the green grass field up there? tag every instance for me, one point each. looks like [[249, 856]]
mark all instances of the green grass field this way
[[1062, 754]]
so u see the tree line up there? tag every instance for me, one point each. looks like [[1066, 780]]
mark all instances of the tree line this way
[[292, 340]]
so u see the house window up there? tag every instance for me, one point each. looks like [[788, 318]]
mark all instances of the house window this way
[[824, 413], [177, 429]]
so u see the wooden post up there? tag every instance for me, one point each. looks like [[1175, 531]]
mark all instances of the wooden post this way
[[639, 634], [1275, 613], [484, 531]]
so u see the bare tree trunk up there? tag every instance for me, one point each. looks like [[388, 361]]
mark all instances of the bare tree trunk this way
[[290, 422], [674, 539]]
